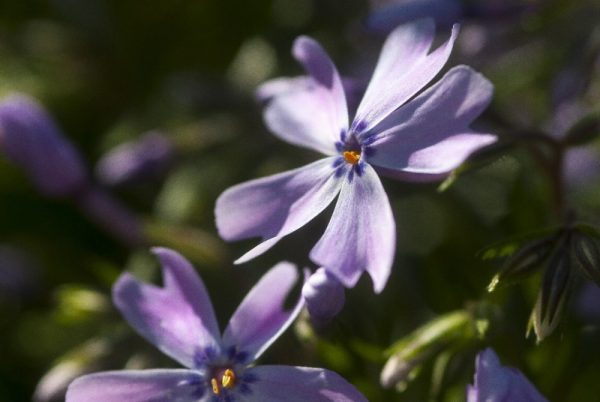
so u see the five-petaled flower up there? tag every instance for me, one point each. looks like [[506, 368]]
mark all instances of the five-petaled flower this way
[[497, 383], [179, 319], [416, 139]]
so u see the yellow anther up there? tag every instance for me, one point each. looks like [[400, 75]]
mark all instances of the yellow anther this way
[[228, 379], [352, 157], [215, 386]]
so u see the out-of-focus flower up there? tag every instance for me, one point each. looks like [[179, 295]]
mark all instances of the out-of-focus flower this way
[[30, 138], [386, 17], [420, 140], [19, 273], [179, 319], [497, 383], [324, 296], [588, 302], [146, 158]]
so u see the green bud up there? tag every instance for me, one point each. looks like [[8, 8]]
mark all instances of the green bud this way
[[553, 294], [408, 353]]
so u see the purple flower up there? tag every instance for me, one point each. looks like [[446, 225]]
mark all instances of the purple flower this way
[[179, 319], [420, 139], [30, 138], [497, 383]]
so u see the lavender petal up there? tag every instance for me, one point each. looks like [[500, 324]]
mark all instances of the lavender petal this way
[[300, 384], [261, 318], [275, 206], [361, 234], [137, 386], [177, 318], [430, 136], [497, 383], [404, 68]]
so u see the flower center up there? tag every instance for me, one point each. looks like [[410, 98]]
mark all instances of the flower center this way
[[227, 381], [352, 157]]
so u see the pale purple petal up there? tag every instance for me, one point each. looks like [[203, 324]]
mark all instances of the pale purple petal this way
[[361, 234], [404, 68], [311, 111], [178, 318], [275, 206], [30, 138], [299, 384], [261, 318], [319, 66], [497, 383], [278, 86], [138, 386], [304, 117], [430, 134]]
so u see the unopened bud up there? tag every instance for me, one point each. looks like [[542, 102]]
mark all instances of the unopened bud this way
[[324, 296]]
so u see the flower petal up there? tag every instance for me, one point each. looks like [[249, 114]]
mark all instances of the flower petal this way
[[275, 206], [299, 384], [178, 318], [497, 383], [404, 67], [138, 386], [430, 135], [311, 111], [260, 318], [319, 66], [278, 86], [361, 234]]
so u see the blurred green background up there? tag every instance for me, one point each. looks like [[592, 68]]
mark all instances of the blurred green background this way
[[110, 70]]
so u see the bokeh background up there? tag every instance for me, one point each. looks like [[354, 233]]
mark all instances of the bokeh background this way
[[116, 71]]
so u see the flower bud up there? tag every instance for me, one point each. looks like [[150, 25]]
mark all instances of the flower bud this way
[[30, 138], [324, 296]]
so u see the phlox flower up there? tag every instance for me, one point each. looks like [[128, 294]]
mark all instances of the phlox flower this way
[[179, 319], [497, 383], [393, 133]]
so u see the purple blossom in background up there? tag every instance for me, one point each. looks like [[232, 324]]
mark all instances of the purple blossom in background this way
[[497, 383], [385, 17], [179, 319], [421, 139], [388, 16], [30, 138], [148, 157]]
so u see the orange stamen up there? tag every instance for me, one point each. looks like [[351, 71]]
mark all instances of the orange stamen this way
[[228, 379], [215, 386], [352, 157]]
